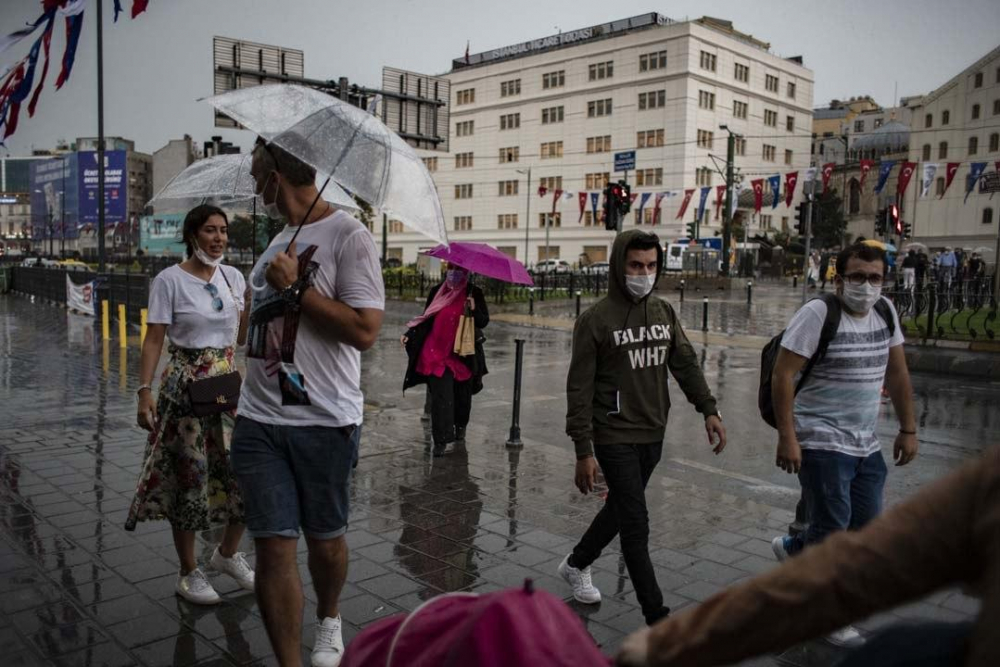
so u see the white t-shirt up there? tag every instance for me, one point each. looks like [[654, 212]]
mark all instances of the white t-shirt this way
[[307, 377], [837, 408], [182, 302]]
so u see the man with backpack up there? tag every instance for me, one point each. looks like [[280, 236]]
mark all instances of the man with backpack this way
[[827, 377]]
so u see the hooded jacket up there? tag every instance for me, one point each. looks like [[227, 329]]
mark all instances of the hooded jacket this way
[[623, 346]]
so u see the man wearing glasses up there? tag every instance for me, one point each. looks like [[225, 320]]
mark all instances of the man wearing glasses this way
[[826, 430]]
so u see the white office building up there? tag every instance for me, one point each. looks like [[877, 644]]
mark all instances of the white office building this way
[[562, 106]]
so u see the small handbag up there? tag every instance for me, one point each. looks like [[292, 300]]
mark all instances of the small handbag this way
[[220, 393], [465, 337]]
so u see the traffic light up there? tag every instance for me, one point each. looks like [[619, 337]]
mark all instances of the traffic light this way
[[693, 231], [880, 217], [907, 230], [610, 209], [894, 222], [801, 214], [624, 198]]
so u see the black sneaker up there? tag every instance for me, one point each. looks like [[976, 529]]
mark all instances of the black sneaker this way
[[460, 434], [656, 616], [440, 448]]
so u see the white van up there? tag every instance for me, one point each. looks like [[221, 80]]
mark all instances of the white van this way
[[674, 257]]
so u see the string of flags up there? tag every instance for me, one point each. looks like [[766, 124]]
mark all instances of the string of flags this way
[[773, 186], [17, 81]]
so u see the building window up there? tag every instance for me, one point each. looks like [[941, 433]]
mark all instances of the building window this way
[[996, 107], [766, 221], [551, 149], [973, 145], [769, 152], [740, 144], [770, 118], [510, 121], [929, 120], [554, 79], [939, 187], [507, 188], [878, 122], [945, 117], [654, 99], [788, 156], [548, 252], [588, 219], [854, 207], [465, 128], [599, 144], [510, 88], [790, 123], [507, 221], [550, 183], [649, 138], [927, 152], [552, 115], [987, 216], [395, 227], [859, 126], [791, 90], [463, 160], [742, 73], [597, 108], [739, 109], [978, 80], [510, 154], [705, 139], [975, 112], [703, 176], [651, 61], [771, 83], [463, 191], [706, 100], [463, 223], [431, 163], [994, 142], [942, 150], [597, 181], [708, 61], [467, 96], [647, 177], [554, 220], [605, 70]]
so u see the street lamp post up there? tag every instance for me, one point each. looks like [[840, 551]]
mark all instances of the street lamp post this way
[[727, 218], [527, 215], [62, 209]]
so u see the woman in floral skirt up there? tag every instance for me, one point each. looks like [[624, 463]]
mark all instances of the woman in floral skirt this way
[[186, 476]]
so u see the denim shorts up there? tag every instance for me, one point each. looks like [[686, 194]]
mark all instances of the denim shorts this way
[[294, 476]]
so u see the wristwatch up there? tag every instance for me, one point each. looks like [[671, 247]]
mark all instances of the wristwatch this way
[[292, 295]]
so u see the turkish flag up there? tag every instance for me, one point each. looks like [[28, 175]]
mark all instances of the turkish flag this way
[[866, 166], [556, 194], [542, 190], [950, 170], [582, 197], [791, 180], [684, 204], [827, 173], [904, 177], [138, 7], [758, 194], [720, 192]]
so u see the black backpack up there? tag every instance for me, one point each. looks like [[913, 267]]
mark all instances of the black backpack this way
[[769, 355]]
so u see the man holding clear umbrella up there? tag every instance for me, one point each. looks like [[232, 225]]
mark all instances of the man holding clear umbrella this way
[[318, 301]]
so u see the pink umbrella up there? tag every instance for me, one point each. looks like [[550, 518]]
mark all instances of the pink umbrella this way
[[484, 260], [512, 627]]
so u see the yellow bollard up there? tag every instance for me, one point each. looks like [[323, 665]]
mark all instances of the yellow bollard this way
[[142, 326], [122, 369], [105, 326], [122, 340]]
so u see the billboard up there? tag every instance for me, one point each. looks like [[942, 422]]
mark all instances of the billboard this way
[[115, 187], [55, 198], [161, 234]]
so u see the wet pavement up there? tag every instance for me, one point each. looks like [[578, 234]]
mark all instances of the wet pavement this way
[[76, 589]]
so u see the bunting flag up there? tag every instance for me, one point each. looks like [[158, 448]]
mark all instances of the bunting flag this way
[[930, 169], [684, 204], [568, 196], [950, 170], [118, 9], [884, 169], [810, 175], [542, 190], [594, 196], [758, 194], [976, 170], [582, 198], [642, 205], [46, 43], [720, 193], [905, 174], [556, 195], [19, 89], [701, 202], [866, 166], [791, 179], [659, 199], [734, 202], [775, 184], [827, 173], [138, 7], [74, 25], [13, 38], [12, 83]]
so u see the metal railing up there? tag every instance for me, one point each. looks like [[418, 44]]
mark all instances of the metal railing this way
[[404, 284], [963, 310], [128, 289]]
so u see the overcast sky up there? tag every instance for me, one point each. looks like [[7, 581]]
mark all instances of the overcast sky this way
[[158, 65]]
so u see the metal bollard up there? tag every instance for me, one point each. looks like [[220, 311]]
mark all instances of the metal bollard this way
[[531, 301], [578, 295], [105, 321], [142, 326], [682, 290], [749, 292], [704, 314], [122, 332], [931, 307], [514, 440]]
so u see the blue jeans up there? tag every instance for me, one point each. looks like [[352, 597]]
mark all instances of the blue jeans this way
[[842, 492]]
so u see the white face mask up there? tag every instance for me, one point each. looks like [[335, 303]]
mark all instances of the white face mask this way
[[861, 298], [205, 259], [271, 210], [640, 286]]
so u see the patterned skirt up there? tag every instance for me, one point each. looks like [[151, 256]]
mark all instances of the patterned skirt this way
[[186, 476]]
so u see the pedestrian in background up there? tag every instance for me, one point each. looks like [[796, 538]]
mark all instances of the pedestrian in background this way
[[429, 342], [186, 474], [910, 270]]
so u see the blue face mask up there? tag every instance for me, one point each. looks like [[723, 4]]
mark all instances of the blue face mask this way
[[455, 277]]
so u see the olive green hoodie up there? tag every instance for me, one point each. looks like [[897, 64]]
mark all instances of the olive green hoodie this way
[[616, 389]]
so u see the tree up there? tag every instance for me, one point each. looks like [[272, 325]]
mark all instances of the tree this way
[[241, 232], [828, 226], [365, 213]]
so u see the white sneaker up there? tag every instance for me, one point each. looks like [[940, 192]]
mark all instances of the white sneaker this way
[[236, 567], [194, 587], [847, 637], [583, 588], [329, 647], [780, 549]]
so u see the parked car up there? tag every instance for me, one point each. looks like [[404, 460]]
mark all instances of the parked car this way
[[553, 266], [596, 269], [39, 261], [73, 265]]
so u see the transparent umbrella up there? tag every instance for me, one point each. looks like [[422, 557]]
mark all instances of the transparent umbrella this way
[[354, 147]]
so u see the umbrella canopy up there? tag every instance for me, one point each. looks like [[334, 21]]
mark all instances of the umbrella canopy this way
[[355, 148], [983, 250], [225, 181], [875, 243], [917, 247], [484, 260]]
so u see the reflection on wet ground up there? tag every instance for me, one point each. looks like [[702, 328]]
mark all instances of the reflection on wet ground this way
[[76, 589]]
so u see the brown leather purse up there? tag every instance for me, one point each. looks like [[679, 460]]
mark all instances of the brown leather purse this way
[[221, 393]]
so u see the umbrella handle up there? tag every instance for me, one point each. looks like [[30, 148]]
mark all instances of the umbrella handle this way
[[253, 241], [306, 215]]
